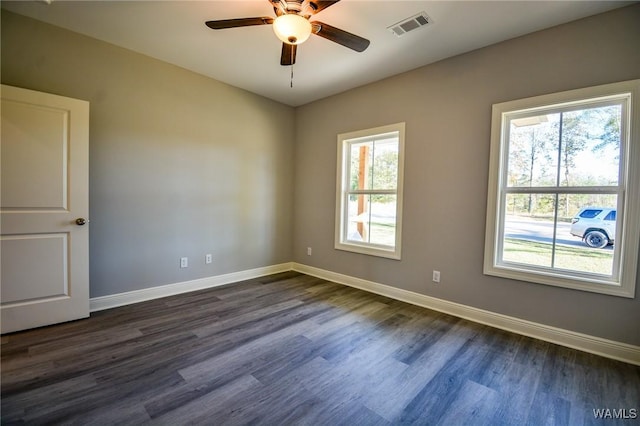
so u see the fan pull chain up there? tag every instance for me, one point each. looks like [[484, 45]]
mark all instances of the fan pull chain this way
[[292, 50]]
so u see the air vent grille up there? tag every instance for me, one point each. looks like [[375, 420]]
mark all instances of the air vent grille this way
[[413, 23]]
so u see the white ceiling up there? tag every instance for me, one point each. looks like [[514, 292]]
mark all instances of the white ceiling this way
[[249, 57]]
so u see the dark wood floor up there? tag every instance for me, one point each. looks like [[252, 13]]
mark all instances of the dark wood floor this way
[[293, 349]]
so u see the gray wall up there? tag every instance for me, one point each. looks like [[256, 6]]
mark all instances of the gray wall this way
[[180, 165], [447, 110]]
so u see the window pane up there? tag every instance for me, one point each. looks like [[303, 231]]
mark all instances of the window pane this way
[[360, 168], [374, 165], [383, 220], [358, 218], [533, 151], [372, 219], [385, 164], [528, 238], [585, 240], [590, 151], [580, 238]]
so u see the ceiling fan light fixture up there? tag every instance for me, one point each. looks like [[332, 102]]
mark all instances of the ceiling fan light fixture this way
[[292, 28]]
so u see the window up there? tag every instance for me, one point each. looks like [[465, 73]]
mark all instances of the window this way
[[369, 191], [564, 189]]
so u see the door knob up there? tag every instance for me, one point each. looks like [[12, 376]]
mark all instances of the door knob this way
[[81, 221]]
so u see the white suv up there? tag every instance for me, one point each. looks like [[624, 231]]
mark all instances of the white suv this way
[[595, 225]]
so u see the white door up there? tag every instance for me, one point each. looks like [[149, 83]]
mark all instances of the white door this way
[[44, 190]]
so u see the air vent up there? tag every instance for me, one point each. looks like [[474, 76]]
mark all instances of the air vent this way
[[418, 21]]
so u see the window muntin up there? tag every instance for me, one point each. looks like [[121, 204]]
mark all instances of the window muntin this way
[[554, 157], [369, 191]]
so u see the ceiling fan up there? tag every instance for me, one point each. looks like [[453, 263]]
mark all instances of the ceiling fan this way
[[293, 27]]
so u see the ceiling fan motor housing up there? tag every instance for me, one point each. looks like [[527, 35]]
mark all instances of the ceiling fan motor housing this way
[[304, 8]]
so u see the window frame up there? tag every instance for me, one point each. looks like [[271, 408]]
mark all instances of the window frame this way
[[625, 267], [342, 191]]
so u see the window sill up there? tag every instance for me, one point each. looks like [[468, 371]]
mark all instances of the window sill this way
[[594, 284], [369, 250]]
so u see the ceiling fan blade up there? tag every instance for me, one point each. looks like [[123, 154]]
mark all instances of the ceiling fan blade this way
[[339, 36], [318, 6], [241, 22], [288, 56]]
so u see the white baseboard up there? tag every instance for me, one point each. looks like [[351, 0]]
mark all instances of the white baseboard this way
[[596, 345], [121, 299]]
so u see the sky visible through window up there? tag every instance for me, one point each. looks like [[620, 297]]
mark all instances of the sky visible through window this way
[[589, 153]]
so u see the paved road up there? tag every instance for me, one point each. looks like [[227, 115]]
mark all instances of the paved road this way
[[540, 230]]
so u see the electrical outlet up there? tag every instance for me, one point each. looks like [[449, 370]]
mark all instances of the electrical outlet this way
[[436, 276], [208, 258], [309, 251], [184, 262]]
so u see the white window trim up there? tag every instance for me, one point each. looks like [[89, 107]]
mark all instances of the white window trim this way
[[341, 187], [630, 154]]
